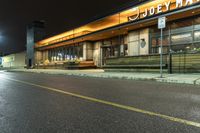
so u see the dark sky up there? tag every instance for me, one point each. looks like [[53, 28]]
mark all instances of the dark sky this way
[[60, 15]]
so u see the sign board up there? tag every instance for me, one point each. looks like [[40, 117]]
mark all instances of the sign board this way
[[161, 22], [160, 6], [8, 59]]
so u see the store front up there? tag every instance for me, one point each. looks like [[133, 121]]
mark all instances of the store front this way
[[130, 38], [180, 36]]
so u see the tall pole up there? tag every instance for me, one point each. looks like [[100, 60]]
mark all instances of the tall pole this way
[[161, 25], [161, 55]]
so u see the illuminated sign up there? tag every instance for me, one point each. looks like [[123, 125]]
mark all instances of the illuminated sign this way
[[8, 59], [159, 7]]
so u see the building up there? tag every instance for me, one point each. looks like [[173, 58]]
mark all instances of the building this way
[[129, 39], [1, 55], [35, 32], [16, 60]]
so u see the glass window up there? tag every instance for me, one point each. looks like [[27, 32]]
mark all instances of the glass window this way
[[157, 50], [197, 23], [181, 38], [80, 51], [188, 48], [156, 32], [156, 41], [126, 49], [165, 41], [197, 35], [116, 51], [181, 26], [197, 47]]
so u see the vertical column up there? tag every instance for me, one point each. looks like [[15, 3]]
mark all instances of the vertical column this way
[[70, 52], [144, 41], [63, 53], [97, 54], [133, 43], [53, 54], [84, 51], [56, 54], [49, 55]]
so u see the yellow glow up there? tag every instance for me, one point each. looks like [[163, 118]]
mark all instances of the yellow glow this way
[[110, 21]]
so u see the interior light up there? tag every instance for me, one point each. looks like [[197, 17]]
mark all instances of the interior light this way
[[134, 9]]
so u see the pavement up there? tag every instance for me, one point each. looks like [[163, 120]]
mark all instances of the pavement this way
[[193, 79], [43, 103]]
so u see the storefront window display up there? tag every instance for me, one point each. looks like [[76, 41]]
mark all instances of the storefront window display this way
[[114, 47], [74, 52], [180, 36], [197, 35]]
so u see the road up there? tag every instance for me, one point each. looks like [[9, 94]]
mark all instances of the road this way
[[41, 103]]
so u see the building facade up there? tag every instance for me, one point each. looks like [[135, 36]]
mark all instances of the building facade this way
[[130, 40], [16, 60]]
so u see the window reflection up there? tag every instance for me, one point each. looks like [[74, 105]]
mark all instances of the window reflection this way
[[66, 53], [181, 36], [197, 35]]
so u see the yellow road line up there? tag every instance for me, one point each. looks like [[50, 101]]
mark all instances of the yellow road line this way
[[186, 122]]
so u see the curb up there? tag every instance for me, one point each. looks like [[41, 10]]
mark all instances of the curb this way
[[107, 76]]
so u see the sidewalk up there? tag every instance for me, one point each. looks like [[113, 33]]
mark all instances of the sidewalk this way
[[193, 79]]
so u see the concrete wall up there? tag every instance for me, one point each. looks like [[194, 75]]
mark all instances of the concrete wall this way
[[135, 39], [44, 56], [14, 60], [88, 50], [38, 57], [144, 35], [133, 43], [97, 54]]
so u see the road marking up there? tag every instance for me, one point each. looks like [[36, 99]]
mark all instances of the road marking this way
[[174, 119]]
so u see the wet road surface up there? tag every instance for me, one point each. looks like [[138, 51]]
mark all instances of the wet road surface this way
[[28, 108]]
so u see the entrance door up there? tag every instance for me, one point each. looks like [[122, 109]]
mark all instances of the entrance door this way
[[106, 53], [109, 51]]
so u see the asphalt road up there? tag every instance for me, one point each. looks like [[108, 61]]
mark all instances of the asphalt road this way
[[27, 105]]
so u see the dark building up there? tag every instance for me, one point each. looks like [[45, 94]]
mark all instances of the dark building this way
[[35, 33], [129, 39]]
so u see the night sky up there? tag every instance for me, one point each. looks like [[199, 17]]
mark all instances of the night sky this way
[[60, 16]]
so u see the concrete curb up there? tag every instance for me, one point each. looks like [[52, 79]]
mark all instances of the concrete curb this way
[[192, 79]]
